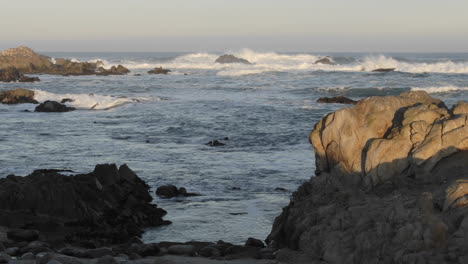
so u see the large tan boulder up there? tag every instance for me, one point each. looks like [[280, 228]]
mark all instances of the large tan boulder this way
[[391, 186], [340, 138]]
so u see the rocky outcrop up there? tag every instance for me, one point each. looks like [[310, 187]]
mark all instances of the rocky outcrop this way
[[114, 70], [52, 106], [336, 100], [25, 60], [11, 74], [109, 205], [326, 61], [17, 96], [159, 70], [391, 185], [228, 58]]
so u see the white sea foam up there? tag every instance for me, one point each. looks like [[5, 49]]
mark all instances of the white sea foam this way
[[440, 89], [274, 62], [89, 101]]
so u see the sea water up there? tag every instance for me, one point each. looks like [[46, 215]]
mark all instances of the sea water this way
[[159, 125]]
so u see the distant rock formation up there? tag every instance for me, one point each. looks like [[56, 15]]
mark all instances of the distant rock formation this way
[[27, 61], [159, 70], [114, 70], [228, 58], [336, 100], [391, 186], [17, 96], [326, 61]]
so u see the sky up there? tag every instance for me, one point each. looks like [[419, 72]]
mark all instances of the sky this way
[[219, 25]]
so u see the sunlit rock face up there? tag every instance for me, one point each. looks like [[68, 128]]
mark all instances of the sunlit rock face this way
[[391, 185]]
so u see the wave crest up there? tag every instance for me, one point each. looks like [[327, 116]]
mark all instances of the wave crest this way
[[89, 101]]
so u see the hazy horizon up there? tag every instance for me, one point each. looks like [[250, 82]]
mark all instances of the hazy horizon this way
[[213, 25]]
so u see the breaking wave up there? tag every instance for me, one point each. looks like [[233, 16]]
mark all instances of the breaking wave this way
[[90, 101], [441, 89], [274, 62]]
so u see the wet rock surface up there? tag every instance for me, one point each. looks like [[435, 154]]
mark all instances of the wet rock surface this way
[[228, 58], [52, 106], [326, 61], [11, 74], [17, 96], [390, 186], [159, 70], [170, 191], [336, 100], [384, 70]]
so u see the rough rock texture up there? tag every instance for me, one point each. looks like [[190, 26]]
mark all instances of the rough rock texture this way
[[17, 96], [325, 60], [159, 70], [231, 59], [11, 74], [27, 61], [336, 100], [119, 70], [108, 205], [391, 186], [52, 106]]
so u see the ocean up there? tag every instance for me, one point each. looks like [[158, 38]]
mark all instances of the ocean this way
[[159, 126]]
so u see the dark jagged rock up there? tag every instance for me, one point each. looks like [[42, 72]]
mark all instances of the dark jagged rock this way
[[336, 100], [107, 206], [216, 143], [228, 58], [253, 242], [170, 191], [390, 186], [18, 96], [159, 70], [384, 70], [325, 60], [52, 106], [119, 70]]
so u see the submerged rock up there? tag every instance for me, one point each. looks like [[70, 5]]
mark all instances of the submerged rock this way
[[52, 106], [336, 100], [17, 96], [384, 70], [390, 185], [325, 60], [159, 70], [228, 58], [107, 206], [170, 191]]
